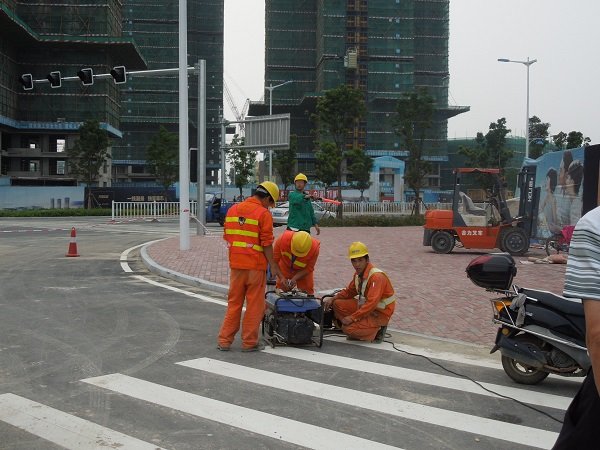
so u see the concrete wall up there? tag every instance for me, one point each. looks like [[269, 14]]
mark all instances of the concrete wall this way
[[41, 197]]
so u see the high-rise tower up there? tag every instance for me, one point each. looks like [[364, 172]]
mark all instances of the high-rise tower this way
[[383, 47]]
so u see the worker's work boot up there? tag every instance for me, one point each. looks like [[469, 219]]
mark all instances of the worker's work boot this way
[[258, 347], [380, 336]]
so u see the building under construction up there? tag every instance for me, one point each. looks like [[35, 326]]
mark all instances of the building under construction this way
[[38, 125], [39, 122], [383, 47], [149, 102]]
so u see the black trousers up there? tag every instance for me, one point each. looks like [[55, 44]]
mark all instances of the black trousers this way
[[581, 428]]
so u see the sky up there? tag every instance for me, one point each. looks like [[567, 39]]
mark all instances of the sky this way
[[564, 83]]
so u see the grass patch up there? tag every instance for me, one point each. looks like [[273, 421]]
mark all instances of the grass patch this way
[[373, 221], [75, 212]]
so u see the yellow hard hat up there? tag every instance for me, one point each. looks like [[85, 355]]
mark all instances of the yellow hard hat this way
[[301, 243], [301, 177], [357, 250], [271, 189]]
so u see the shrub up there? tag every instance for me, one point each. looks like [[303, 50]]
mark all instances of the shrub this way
[[373, 221]]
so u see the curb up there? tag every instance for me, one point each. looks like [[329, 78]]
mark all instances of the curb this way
[[156, 268]]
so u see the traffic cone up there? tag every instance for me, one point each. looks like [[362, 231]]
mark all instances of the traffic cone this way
[[73, 244]]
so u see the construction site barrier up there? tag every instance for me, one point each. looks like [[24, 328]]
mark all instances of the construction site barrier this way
[[163, 210], [148, 210]]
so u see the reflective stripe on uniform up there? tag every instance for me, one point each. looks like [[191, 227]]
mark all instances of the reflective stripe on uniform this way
[[386, 301], [258, 248], [361, 292], [246, 220], [296, 262], [242, 232]]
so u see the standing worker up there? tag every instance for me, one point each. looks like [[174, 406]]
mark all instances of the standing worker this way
[[249, 235], [366, 305], [302, 215], [580, 428], [296, 254]]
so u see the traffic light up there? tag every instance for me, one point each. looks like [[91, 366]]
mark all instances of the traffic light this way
[[27, 81], [119, 74], [54, 79], [86, 76]]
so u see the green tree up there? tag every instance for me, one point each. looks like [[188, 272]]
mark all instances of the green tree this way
[[489, 150], [338, 112], [163, 157], [242, 162], [575, 139], [89, 154], [328, 160], [538, 137], [560, 140], [414, 117], [284, 162], [360, 167]]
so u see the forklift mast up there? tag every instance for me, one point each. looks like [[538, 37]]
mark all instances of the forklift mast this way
[[528, 200]]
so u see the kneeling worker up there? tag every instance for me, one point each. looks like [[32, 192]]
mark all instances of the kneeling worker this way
[[296, 254], [366, 305]]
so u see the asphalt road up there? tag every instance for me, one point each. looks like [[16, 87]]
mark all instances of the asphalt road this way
[[95, 352]]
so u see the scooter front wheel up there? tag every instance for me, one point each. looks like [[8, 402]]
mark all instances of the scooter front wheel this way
[[522, 373]]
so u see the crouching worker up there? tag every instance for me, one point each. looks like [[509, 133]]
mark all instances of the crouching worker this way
[[366, 305], [296, 254]]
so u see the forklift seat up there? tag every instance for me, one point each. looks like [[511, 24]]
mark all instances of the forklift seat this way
[[469, 206]]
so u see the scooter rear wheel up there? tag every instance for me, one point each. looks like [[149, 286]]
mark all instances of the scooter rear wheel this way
[[522, 373]]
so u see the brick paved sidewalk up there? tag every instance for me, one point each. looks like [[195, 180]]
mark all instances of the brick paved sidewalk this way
[[435, 297]]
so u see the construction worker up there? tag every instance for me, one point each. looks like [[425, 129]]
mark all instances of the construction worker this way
[[249, 235], [301, 215], [296, 254], [366, 305]]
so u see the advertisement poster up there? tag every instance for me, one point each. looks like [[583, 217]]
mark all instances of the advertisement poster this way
[[560, 178]]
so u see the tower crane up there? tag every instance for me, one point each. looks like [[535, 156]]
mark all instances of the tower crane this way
[[238, 116]]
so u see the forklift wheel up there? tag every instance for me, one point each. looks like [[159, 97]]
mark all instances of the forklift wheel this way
[[442, 242], [514, 241]]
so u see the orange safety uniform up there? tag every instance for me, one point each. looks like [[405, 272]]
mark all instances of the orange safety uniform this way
[[369, 301], [248, 229], [291, 264]]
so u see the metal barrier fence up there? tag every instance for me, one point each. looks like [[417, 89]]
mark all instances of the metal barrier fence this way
[[383, 208], [148, 210], [161, 210]]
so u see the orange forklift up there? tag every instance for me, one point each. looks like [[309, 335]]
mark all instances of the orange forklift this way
[[489, 224]]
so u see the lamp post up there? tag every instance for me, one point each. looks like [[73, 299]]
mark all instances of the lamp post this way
[[270, 89], [527, 64]]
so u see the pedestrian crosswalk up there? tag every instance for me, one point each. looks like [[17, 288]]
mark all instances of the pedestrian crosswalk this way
[[375, 404]]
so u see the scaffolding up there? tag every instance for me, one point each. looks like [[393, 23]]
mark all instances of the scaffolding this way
[[382, 47], [148, 103]]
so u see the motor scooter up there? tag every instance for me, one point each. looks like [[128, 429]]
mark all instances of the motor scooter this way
[[540, 332]]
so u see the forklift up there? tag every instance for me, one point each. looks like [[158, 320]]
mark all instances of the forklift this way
[[490, 224]]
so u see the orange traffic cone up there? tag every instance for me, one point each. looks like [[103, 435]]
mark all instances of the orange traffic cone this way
[[73, 244]]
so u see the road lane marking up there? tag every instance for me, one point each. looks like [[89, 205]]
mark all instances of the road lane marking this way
[[269, 425], [417, 376], [63, 429], [454, 420]]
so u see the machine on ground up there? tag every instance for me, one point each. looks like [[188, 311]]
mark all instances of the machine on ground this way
[[489, 225], [540, 332]]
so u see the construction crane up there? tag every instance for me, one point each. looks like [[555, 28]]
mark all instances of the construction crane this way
[[238, 116]]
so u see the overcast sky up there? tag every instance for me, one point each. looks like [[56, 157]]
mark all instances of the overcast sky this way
[[564, 82]]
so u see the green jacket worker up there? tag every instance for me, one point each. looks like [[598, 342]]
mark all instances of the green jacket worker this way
[[301, 215]]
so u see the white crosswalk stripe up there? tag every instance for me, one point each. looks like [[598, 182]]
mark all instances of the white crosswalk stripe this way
[[467, 424], [276, 427], [418, 376], [457, 421], [63, 429]]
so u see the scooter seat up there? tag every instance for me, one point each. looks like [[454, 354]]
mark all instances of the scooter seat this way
[[571, 306]]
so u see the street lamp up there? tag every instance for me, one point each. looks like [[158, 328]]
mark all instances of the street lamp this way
[[270, 89], [527, 64]]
